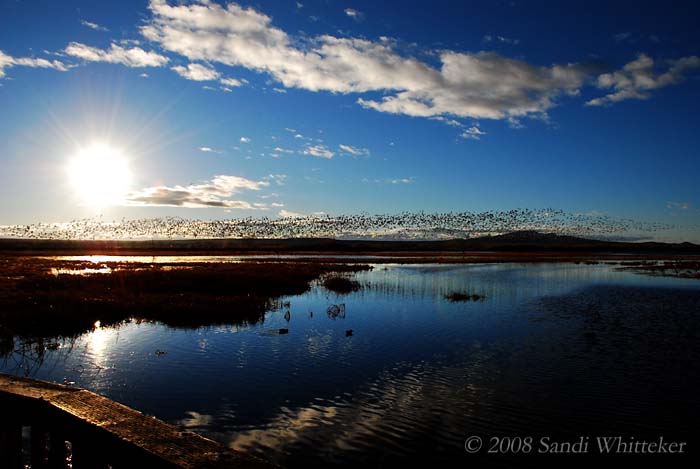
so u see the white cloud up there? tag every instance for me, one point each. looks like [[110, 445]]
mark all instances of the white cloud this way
[[639, 77], [133, 57], [213, 193], [209, 150], [279, 179], [404, 180], [320, 151], [354, 14], [355, 151], [245, 140], [7, 61], [474, 85], [94, 26], [483, 85], [515, 123], [283, 150], [230, 82], [144, 75], [197, 72], [473, 132]]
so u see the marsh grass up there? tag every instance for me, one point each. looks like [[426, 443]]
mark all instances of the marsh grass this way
[[35, 303]]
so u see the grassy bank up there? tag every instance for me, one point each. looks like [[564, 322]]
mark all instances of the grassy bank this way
[[36, 302]]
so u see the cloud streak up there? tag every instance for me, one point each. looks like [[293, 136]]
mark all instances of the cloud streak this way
[[116, 54], [476, 85], [7, 61], [403, 180], [473, 133], [94, 26], [354, 14], [355, 151], [197, 72], [209, 150], [384, 78], [319, 151], [214, 193], [638, 78], [200, 72], [231, 82]]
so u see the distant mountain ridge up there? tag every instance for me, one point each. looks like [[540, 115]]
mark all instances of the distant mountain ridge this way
[[517, 241]]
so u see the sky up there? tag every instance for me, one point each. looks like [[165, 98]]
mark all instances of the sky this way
[[213, 109]]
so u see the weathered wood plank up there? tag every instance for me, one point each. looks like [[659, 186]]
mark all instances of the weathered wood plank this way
[[98, 420]]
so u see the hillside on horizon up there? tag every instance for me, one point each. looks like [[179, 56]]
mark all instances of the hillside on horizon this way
[[525, 241]]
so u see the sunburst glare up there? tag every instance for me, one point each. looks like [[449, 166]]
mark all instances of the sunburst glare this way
[[99, 175]]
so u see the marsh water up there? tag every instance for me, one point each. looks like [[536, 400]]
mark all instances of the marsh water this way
[[557, 350]]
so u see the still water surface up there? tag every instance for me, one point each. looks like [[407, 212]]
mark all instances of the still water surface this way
[[558, 350]]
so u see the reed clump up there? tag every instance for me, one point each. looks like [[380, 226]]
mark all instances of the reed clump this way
[[458, 297], [340, 284]]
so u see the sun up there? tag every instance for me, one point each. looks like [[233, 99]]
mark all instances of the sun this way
[[99, 175]]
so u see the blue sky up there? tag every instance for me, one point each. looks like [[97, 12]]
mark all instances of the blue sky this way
[[227, 110]]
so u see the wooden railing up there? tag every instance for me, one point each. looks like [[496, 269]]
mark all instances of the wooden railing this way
[[47, 425]]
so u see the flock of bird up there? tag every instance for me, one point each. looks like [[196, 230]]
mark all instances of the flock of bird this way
[[406, 225]]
